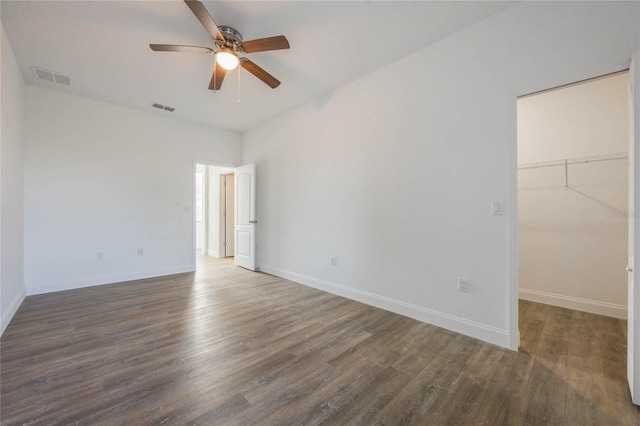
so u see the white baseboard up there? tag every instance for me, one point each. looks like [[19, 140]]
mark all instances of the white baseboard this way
[[49, 287], [459, 325], [11, 310], [213, 253], [576, 303]]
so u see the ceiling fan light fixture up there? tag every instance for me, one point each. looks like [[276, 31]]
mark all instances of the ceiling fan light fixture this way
[[227, 59], [228, 43]]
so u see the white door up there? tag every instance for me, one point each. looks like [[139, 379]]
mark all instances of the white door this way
[[633, 320], [245, 217], [230, 216]]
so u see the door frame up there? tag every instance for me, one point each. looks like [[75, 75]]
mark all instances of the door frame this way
[[222, 225], [633, 315], [512, 238], [194, 164]]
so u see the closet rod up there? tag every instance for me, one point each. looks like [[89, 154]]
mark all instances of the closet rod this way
[[580, 160]]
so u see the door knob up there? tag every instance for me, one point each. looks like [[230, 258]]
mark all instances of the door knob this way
[[253, 221], [629, 269]]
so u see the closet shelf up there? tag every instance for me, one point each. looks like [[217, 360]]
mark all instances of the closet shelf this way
[[584, 171], [579, 160]]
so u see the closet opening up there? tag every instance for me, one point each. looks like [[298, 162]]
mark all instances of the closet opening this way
[[572, 227], [573, 231], [573, 196]]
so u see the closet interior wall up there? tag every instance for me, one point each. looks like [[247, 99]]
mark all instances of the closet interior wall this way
[[572, 196]]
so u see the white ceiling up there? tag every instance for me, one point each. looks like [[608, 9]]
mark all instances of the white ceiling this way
[[103, 46]]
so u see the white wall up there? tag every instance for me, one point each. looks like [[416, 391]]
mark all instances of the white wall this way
[[105, 178], [213, 212], [201, 225], [590, 118], [394, 173], [12, 288], [572, 244]]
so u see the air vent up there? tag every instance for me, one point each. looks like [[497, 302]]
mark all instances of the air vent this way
[[164, 107], [62, 79], [51, 76], [44, 75]]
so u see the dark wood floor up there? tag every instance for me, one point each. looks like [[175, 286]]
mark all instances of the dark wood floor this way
[[228, 347]]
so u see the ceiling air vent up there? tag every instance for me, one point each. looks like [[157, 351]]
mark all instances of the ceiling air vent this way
[[164, 107], [62, 79], [51, 76]]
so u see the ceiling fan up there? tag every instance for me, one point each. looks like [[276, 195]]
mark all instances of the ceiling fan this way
[[228, 48]]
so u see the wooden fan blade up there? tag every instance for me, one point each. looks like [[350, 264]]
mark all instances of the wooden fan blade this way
[[205, 19], [217, 78], [179, 48], [263, 44], [267, 78]]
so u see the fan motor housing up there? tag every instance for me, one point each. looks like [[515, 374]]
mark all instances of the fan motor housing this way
[[231, 34]]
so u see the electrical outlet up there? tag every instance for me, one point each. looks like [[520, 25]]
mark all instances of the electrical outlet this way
[[463, 284], [334, 261], [99, 256], [140, 252]]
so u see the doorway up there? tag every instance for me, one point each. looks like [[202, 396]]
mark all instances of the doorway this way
[[227, 202], [571, 232], [213, 212]]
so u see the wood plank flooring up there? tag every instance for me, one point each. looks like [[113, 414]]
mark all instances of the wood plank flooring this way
[[225, 346]]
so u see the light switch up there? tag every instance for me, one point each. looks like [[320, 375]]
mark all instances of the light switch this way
[[497, 208]]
